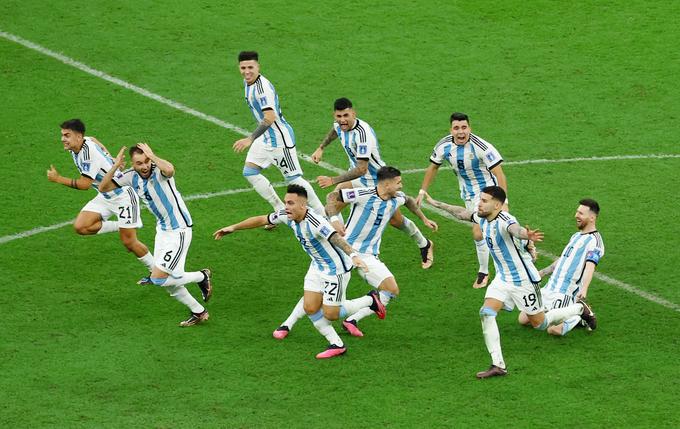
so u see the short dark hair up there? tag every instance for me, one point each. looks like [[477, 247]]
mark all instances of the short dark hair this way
[[387, 172], [342, 104], [297, 190], [591, 204], [496, 192], [134, 149], [247, 56], [73, 124], [457, 116]]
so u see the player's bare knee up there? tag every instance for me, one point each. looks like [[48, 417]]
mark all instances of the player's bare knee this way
[[389, 285], [81, 229], [310, 307], [331, 313], [523, 319]]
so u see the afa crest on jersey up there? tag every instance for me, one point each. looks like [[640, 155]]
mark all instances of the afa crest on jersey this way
[[363, 150], [325, 231], [490, 156], [86, 166]]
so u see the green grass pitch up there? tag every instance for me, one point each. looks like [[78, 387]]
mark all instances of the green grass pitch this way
[[82, 346]]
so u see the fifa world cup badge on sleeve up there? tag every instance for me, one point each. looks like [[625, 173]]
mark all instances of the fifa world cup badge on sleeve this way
[[350, 195]]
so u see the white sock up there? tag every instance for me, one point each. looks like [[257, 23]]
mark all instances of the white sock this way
[[385, 298], [181, 294], [108, 226], [482, 256], [412, 230], [325, 328], [190, 277], [492, 338], [147, 260], [351, 306], [570, 324], [559, 315], [312, 200], [297, 314], [266, 190]]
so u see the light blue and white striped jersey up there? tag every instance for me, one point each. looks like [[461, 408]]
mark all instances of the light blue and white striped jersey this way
[[313, 233], [360, 142], [93, 162], [161, 195], [261, 96], [582, 248], [511, 260], [368, 217], [471, 162]]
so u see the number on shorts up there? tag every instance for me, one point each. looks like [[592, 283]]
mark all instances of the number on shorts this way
[[168, 256], [531, 297], [331, 289], [283, 163], [122, 214]]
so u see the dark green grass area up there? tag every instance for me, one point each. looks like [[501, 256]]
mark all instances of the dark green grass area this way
[[83, 346]]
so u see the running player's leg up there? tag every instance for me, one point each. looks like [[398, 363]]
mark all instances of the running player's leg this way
[[380, 277], [92, 218], [313, 299], [496, 294], [298, 313], [426, 246], [259, 158], [126, 208], [480, 247]]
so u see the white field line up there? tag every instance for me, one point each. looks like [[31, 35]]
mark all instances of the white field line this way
[[565, 160], [179, 106]]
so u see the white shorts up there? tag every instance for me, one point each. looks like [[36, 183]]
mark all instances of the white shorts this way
[[527, 297], [284, 158], [332, 287], [553, 299], [124, 206], [377, 270], [170, 250]]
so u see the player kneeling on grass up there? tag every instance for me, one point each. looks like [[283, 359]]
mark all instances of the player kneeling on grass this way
[[329, 272], [152, 178], [516, 276], [573, 271], [371, 211]]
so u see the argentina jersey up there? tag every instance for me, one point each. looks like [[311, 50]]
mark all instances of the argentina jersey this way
[[261, 96], [512, 262], [582, 248], [313, 233], [471, 162], [93, 162], [368, 217], [361, 143], [160, 194]]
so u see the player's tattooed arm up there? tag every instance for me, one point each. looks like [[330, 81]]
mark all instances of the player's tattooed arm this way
[[413, 207], [340, 242], [358, 171], [525, 233], [318, 153], [82, 183], [460, 212], [333, 203], [262, 127]]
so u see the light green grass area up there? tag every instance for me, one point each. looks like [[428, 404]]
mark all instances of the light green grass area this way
[[83, 346]]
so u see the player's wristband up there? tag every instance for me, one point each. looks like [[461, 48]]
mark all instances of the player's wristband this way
[[335, 218], [353, 255], [421, 192]]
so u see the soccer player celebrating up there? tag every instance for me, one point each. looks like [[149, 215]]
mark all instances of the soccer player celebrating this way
[[477, 164], [93, 162], [152, 178], [372, 208], [329, 272], [273, 141], [573, 271], [516, 276], [361, 145]]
